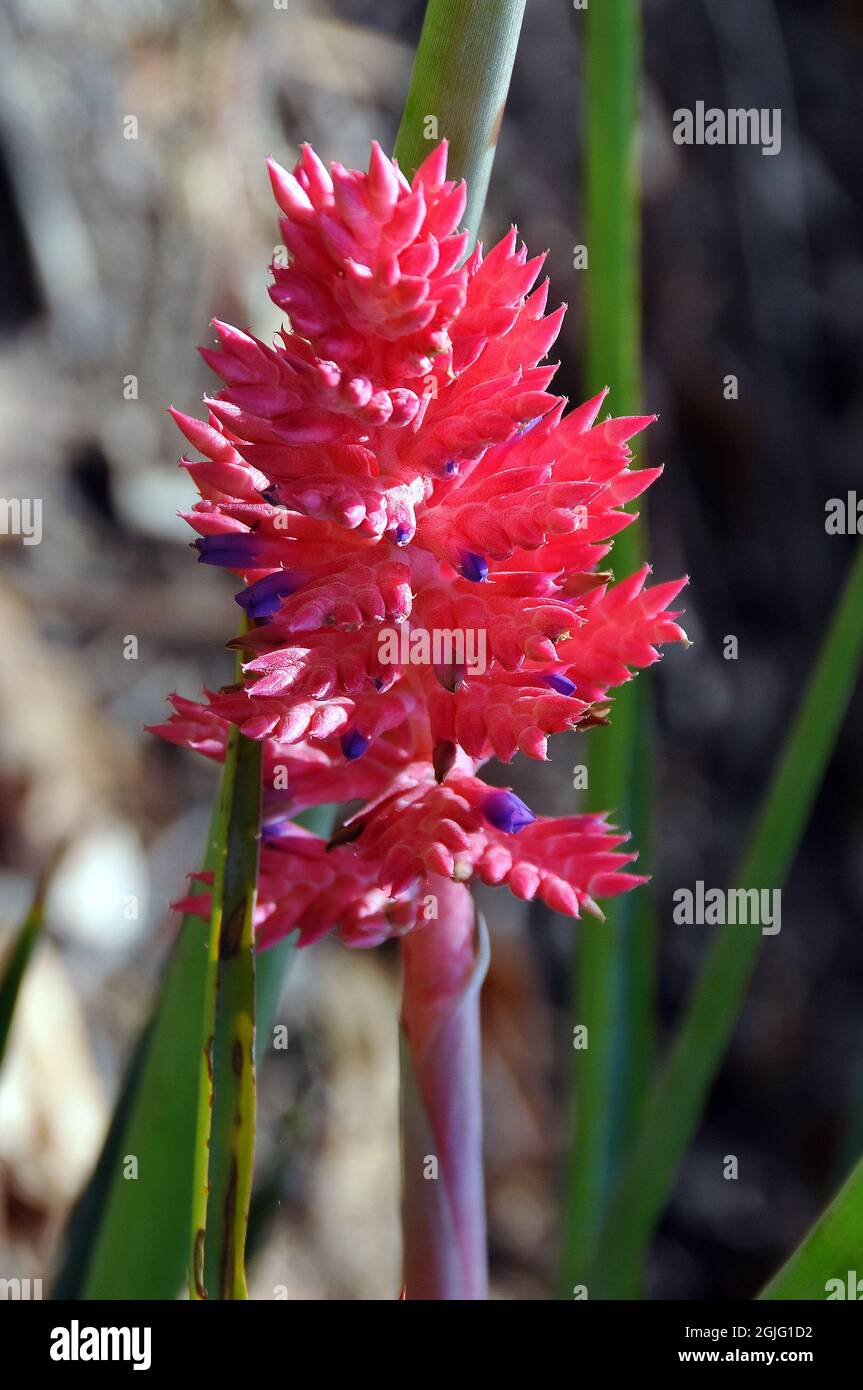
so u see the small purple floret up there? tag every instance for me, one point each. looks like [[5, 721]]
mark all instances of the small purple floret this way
[[561, 684], [473, 567], [354, 744], [274, 822], [263, 598], [507, 812], [235, 550]]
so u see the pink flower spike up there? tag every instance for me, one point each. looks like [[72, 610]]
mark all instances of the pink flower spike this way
[[422, 539]]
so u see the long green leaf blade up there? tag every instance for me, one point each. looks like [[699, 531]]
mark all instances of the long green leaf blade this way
[[830, 1250], [20, 954], [613, 973], [682, 1089], [153, 1121], [146, 1207]]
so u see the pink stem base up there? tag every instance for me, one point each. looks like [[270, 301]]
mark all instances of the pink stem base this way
[[443, 1205]]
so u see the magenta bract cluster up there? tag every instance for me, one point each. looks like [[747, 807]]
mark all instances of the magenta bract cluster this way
[[391, 479]]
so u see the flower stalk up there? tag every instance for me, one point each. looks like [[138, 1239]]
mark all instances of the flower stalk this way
[[225, 1124], [458, 91], [461, 78], [445, 962]]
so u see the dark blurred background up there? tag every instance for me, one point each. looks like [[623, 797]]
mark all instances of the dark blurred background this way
[[114, 254]]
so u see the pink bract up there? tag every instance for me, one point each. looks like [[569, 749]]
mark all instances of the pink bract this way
[[394, 467]]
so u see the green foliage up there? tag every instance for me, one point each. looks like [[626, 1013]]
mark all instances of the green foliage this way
[[16, 967], [696, 1054], [613, 972], [830, 1256]]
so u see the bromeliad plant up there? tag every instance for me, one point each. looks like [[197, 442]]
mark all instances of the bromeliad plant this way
[[395, 460], [396, 464]]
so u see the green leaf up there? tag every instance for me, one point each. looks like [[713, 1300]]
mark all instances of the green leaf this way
[[154, 1119], [128, 1237], [613, 987], [153, 1122], [16, 966], [613, 218], [681, 1092], [613, 969], [458, 90], [84, 1226], [830, 1250]]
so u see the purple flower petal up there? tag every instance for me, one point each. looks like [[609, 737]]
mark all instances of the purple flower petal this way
[[473, 567], [235, 550], [354, 744], [263, 598], [561, 684], [507, 812]]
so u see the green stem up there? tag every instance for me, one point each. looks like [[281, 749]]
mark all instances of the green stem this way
[[225, 1113], [232, 1133], [613, 216], [216, 852], [613, 974], [458, 90]]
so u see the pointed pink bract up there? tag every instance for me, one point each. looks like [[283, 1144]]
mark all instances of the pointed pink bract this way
[[390, 473]]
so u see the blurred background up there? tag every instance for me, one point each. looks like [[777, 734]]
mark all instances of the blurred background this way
[[134, 207]]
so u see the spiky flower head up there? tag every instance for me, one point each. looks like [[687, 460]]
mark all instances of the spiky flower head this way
[[420, 530]]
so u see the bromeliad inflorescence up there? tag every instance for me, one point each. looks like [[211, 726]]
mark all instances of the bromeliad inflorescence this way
[[395, 458]]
